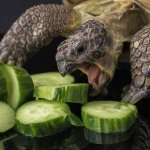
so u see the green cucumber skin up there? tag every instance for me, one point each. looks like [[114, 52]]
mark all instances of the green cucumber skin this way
[[78, 95], [110, 125], [26, 86], [64, 93], [3, 86], [107, 126], [42, 129], [24, 83]]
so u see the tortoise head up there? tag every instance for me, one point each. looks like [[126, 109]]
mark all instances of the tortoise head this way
[[89, 50]]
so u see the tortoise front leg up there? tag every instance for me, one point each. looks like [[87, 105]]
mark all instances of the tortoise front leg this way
[[140, 66], [35, 29]]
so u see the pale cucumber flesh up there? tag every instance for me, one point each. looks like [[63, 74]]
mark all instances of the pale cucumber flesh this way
[[42, 118], [7, 117], [40, 111], [51, 78]]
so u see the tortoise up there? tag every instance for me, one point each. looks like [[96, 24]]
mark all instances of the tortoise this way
[[96, 31]]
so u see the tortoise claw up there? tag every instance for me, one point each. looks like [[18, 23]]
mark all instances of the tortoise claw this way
[[134, 96], [4, 53], [10, 57]]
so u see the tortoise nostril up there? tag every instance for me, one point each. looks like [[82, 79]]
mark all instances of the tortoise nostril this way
[[96, 55]]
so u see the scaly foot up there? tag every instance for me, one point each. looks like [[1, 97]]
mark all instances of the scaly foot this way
[[140, 66]]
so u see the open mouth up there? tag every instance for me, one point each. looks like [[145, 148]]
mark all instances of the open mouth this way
[[93, 73], [98, 77]]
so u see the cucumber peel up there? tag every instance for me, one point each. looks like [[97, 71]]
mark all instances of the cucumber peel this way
[[43, 117], [73, 93], [74, 120], [19, 85], [108, 116], [3, 85]]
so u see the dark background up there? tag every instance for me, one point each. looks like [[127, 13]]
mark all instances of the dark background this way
[[10, 10]]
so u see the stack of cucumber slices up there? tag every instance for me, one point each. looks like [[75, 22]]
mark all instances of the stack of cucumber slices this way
[[40, 117], [50, 113], [52, 86]]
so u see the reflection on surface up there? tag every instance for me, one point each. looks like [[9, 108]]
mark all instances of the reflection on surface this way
[[73, 139], [139, 140], [107, 138]]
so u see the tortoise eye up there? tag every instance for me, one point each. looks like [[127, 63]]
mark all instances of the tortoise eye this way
[[80, 50], [97, 55]]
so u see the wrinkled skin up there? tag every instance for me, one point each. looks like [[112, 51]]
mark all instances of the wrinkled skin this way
[[87, 49], [140, 66]]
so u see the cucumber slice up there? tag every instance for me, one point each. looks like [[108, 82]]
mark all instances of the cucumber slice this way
[[107, 138], [42, 118], [51, 78], [19, 85], [108, 116], [3, 86], [7, 117], [73, 93]]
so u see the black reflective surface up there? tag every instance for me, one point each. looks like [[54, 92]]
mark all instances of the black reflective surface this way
[[74, 139]]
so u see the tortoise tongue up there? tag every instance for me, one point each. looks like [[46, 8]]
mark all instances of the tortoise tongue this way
[[93, 74]]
